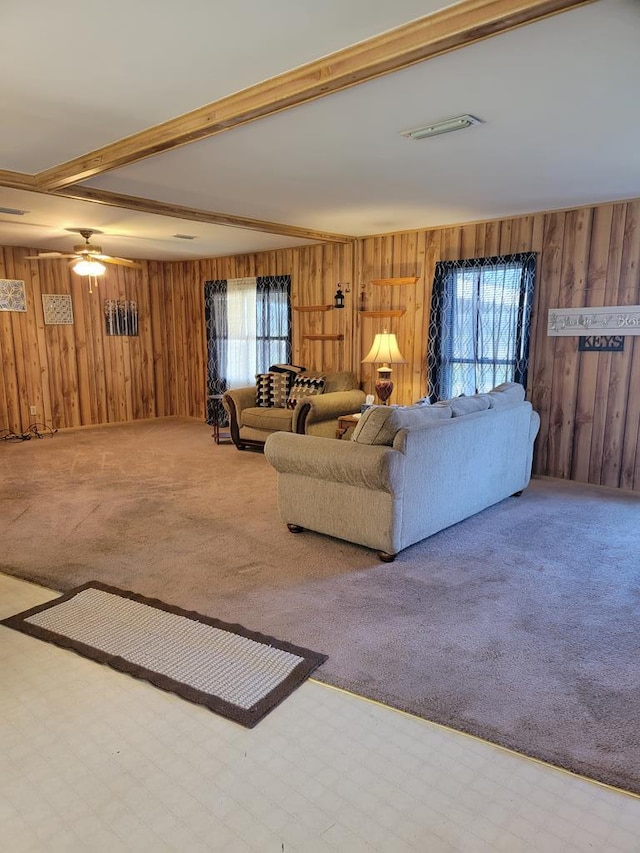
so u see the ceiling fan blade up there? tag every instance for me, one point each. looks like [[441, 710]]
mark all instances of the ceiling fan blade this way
[[123, 262], [48, 256]]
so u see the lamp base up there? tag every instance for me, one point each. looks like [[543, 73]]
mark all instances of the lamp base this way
[[384, 389], [384, 385]]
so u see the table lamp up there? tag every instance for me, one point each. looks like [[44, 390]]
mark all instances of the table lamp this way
[[384, 351]]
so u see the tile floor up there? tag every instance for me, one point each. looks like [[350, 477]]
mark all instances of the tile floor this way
[[93, 760]]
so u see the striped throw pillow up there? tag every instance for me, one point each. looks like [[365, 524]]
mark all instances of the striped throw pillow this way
[[272, 390]]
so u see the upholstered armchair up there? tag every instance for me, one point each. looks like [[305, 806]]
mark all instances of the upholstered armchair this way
[[251, 424]]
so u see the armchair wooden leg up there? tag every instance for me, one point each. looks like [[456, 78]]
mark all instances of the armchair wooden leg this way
[[295, 528], [386, 558]]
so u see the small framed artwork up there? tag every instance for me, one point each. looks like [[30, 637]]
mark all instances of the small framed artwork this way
[[58, 309], [121, 316], [13, 296]]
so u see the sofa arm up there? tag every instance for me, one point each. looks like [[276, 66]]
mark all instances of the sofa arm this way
[[363, 465], [317, 408]]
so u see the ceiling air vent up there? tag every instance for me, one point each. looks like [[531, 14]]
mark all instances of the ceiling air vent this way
[[438, 127]]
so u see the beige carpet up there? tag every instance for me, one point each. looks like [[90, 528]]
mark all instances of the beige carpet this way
[[519, 625]]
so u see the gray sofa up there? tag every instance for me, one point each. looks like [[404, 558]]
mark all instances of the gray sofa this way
[[251, 425], [407, 472]]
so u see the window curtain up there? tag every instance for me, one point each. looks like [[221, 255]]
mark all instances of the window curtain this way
[[479, 324], [248, 325]]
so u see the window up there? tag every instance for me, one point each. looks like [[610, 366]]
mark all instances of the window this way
[[248, 329], [479, 324]]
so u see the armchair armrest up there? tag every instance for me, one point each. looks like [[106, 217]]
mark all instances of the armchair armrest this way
[[326, 407], [235, 400], [242, 398]]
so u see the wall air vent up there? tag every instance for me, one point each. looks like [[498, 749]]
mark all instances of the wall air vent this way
[[439, 127]]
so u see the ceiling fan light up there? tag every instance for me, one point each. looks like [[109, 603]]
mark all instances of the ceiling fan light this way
[[85, 267]]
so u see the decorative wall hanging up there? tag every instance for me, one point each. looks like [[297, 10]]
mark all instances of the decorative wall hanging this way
[[121, 316], [58, 309], [601, 343], [617, 319], [13, 296]]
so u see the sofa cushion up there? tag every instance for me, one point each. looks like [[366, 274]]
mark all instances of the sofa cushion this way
[[272, 389], [304, 385], [467, 405], [379, 424], [264, 418], [507, 394]]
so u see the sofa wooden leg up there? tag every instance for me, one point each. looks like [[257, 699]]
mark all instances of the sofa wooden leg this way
[[295, 528], [386, 558], [517, 494]]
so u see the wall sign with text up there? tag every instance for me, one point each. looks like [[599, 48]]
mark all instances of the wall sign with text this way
[[616, 320], [601, 343]]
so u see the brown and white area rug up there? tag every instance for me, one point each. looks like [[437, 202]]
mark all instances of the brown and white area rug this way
[[237, 673]]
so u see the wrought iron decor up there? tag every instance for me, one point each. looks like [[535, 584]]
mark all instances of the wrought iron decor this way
[[601, 343], [121, 316]]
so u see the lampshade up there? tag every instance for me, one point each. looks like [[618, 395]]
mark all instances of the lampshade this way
[[385, 350], [85, 267]]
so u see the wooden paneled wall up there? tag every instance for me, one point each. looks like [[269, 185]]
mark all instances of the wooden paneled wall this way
[[76, 374], [315, 272], [589, 403]]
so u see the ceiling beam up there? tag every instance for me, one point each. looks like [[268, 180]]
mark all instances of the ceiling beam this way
[[448, 29], [145, 205], [17, 180]]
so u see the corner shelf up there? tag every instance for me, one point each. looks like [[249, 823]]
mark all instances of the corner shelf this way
[[312, 307], [392, 312], [323, 337], [409, 279]]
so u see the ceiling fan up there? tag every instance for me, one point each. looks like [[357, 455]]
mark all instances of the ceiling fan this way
[[87, 259]]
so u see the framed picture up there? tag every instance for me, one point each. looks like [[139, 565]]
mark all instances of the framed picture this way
[[121, 316]]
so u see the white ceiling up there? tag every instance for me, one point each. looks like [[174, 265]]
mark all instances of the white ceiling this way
[[558, 98]]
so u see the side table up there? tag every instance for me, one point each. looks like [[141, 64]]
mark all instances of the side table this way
[[220, 437], [345, 423]]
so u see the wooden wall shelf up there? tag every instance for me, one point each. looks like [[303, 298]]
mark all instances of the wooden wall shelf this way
[[409, 279], [323, 337], [392, 312], [312, 307]]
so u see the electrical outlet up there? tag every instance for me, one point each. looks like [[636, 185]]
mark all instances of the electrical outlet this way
[[33, 410]]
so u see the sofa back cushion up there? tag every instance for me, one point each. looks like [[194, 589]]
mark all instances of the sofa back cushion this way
[[304, 385], [466, 405], [272, 390], [342, 381], [379, 424], [507, 394]]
